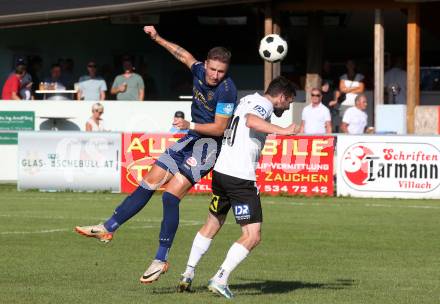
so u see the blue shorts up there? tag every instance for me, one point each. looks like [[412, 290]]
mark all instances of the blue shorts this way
[[191, 156]]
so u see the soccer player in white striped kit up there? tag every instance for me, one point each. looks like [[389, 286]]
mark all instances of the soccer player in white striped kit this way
[[234, 181]]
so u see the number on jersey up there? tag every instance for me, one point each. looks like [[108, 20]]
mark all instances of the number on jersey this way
[[231, 131]]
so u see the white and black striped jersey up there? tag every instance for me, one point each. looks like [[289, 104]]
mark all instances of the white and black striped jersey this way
[[241, 146]]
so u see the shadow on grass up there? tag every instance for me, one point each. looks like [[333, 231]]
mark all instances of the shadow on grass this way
[[270, 286], [278, 287]]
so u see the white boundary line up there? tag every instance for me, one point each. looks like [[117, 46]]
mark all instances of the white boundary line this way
[[152, 220], [352, 205], [194, 223]]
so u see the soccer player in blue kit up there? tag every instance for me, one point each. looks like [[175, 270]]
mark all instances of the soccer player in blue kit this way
[[186, 162]]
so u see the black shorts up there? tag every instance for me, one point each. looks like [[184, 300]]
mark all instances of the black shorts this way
[[240, 194]]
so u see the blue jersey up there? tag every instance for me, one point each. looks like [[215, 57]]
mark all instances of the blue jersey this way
[[209, 101], [194, 155]]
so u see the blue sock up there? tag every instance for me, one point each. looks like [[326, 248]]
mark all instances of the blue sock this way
[[169, 225], [131, 205]]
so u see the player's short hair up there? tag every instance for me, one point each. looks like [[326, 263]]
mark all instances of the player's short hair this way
[[281, 85], [219, 53]]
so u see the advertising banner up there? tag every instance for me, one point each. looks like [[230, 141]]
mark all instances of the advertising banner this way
[[298, 165], [15, 121], [76, 161], [8, 138], [140, 151], [388, 166]]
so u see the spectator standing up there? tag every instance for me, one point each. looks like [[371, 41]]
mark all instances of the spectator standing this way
[[35, 65], [129, 85], [25, 82], [150, 91], [178, 117], [355, 119], [11, 88], [91, 86], [95, 122], [316, 117], [330, 100], [55, 77], [67, 72], [351, 84], [395, 82], [328, 75], [26, 87]]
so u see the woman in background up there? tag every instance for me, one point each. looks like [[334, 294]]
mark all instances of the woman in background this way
[[95, 122], [351, 84]]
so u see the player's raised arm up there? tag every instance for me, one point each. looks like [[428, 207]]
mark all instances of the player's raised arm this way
[[279, 95], [177, 51], [260, 125]]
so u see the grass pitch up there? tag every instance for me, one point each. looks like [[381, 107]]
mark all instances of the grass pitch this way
[[314, 250]]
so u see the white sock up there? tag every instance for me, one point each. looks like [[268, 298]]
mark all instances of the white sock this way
[[199, 247], [236, 254]]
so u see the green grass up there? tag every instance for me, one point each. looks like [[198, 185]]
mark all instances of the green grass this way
[[321, 250]]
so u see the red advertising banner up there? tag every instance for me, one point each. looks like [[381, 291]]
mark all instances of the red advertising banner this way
[[140, 151], [297, 165]]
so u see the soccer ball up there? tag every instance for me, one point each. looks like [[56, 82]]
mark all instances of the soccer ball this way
[[273, 48]]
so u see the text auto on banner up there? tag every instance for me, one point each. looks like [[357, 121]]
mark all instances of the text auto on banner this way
[[291, 164]]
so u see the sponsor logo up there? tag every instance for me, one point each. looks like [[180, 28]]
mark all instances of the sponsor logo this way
[[210, 95], [214, 203], [229, 108], [151, 274], [355, 164], [391, 167], [260, 110], [242, 212], [199, 97], [192, 162]]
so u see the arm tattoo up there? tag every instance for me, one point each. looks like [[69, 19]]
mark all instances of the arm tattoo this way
[[178, 53]]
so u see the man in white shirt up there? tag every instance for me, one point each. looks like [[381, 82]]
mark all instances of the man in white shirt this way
[[355, 119], [233, 183], [316, 117]]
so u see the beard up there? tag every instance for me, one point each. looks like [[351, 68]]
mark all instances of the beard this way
[[278, 112]]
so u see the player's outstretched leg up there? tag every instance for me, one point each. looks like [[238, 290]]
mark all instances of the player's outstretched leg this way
[[97, 231], [168, 230], [176, 188], [129, 207]]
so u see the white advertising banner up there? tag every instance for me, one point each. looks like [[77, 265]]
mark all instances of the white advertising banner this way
[[388, 166], [78, 161]]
